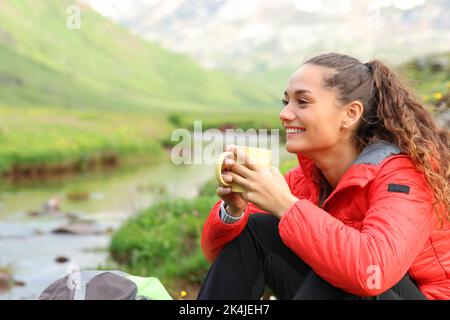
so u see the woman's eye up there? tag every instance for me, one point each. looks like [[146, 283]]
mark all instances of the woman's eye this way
[[302, 101]]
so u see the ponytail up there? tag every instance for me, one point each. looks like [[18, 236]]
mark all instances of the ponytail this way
[[414, 130]]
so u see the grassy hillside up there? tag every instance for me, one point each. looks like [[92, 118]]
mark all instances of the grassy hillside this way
[[70, 95], [102, 66], [430, 75]]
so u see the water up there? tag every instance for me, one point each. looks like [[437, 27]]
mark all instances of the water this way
[[28, 245]]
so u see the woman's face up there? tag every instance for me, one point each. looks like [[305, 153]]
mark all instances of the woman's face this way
[[310, 106]]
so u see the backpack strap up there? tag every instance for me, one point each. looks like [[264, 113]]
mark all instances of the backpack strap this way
[[80, 291]]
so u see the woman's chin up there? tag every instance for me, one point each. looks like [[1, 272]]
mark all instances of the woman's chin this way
[[292, 147]]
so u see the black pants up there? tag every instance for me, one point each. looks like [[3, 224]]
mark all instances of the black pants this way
[[258, 257]]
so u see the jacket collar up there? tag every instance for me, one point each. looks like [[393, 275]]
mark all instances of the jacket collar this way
[[363, 169]]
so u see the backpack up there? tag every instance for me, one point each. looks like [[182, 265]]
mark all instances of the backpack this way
[[105, 285]]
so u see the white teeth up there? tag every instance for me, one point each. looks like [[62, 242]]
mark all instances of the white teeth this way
[[292, 130]]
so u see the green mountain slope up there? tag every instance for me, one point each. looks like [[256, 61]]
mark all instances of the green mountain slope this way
[[103, 66], [70, 98], [430, 74]]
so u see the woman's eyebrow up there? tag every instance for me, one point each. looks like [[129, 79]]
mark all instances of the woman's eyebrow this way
[[298, 92]]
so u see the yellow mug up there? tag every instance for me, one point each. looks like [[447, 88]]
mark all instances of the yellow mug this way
[[260, 157]]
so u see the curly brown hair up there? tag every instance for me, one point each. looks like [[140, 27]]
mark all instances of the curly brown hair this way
[[393, 112]]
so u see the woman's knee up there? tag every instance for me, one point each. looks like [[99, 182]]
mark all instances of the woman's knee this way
[[263, 221], [260, 228], [264, 229], [255, 233]]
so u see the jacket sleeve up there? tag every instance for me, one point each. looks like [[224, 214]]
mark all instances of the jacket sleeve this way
[[369, 261], [216, 233]]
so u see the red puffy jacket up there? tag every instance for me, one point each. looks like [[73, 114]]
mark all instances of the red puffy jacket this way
[[379, 216]]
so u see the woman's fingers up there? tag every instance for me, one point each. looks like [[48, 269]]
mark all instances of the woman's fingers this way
[[235, 178], [230, 176], [241, 170], [223, 191], [242, 158], [226, 176], [227, 163], [236, 166]]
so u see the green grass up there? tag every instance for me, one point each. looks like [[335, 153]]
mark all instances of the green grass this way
[[44, 135], [288, 165], [430, 76], [164, 241]]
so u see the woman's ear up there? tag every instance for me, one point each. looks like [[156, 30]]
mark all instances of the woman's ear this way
[[353, 112]]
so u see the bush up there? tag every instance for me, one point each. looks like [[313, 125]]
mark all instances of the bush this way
[[164, 240], [175, 119], [209, 188], [288, 165]]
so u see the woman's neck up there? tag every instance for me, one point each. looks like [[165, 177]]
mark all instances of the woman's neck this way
[[333, 163]]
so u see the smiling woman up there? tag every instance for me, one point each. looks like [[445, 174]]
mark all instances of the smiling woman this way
[[363, 212]]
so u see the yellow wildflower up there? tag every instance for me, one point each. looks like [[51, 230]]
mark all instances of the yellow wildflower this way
[[437, 96], [183, 293]]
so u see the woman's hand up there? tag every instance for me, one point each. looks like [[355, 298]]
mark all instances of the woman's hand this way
[[264, 187], [235, 202]]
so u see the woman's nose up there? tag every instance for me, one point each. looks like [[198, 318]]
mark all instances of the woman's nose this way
[[286, 114]]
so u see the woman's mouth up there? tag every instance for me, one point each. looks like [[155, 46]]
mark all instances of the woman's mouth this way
[[294, 131]]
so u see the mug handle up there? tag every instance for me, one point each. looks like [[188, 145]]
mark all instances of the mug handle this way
[[219, 164]]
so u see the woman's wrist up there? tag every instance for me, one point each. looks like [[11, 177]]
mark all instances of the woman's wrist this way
[[234, 212], [285, 206]]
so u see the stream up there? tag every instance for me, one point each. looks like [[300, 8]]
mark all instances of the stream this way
[[29, 246]]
